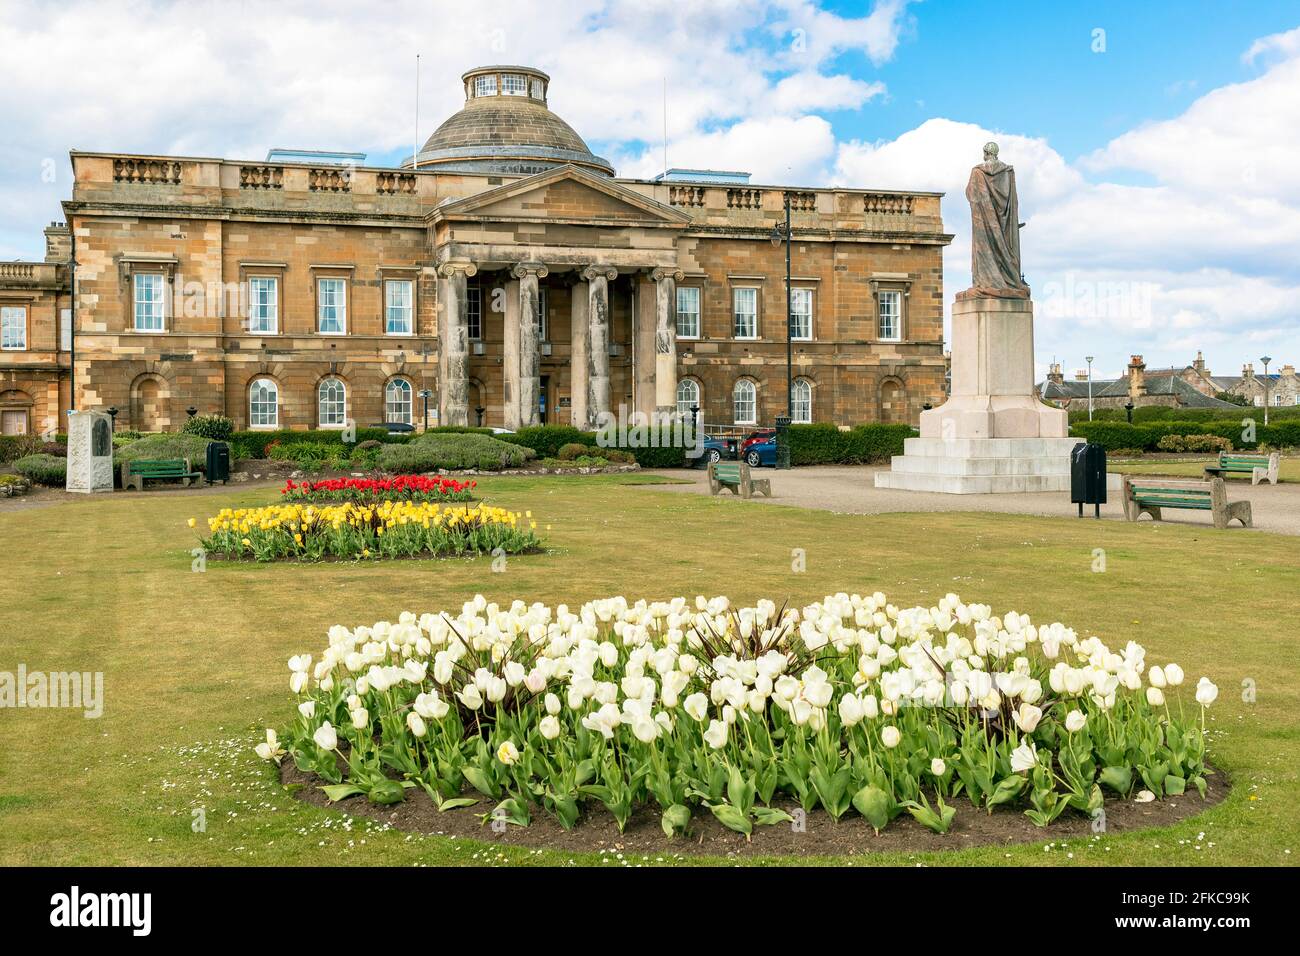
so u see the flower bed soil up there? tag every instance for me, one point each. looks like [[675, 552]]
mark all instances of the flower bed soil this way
[[822, 836]]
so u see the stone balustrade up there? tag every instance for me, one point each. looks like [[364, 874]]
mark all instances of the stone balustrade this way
[[146, 170], [391, 184], [331, 179], [261, 177]]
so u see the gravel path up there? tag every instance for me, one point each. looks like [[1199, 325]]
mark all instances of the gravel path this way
[[850, 489]]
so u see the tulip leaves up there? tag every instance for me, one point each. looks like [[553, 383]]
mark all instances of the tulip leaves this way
[[875, 805]]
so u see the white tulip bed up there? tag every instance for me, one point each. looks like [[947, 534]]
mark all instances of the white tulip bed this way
[[849, 704]]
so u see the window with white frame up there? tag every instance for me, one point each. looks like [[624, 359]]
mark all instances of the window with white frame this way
[[543, 317], [514, 84], [745, 310], [474, 312], [801, 310], [688, 397], [263, 404], [148, 297], [399, 307], [397, 402], [891, 315], [801, 402], [688, 312], [744, 398], [263, 304], [13, 328], [331, 403], [537, 89], [1277, 398], [485, 85], [331, 306]]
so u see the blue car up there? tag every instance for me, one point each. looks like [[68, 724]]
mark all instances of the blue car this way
[[761, 453], [717, 449]]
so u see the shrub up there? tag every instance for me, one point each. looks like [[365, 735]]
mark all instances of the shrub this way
[[13, 447], [55, 448], [571, 450], [1194, 443], [215, 427], [253, 444], [547, 440], [442, 450], [193, 447], [43, 469], [309, 454], [826, 444]]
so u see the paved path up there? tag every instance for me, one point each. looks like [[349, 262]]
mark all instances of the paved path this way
[[850, 489]]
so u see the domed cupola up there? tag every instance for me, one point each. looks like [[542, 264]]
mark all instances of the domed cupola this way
[[506, 127]]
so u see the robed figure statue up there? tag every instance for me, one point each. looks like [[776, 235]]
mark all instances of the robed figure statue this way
[[995, 230]]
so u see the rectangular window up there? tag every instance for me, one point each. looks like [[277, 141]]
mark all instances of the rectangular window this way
[[891, 318], [513, 84], [332, 306], [745, 311], [148, 301], [485, 85], [13, 327], [474, 312], [543, 317], [400, 309], [801, 308], [263, 304], [688, 312]]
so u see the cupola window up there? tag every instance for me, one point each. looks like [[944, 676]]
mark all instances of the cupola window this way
[[485, 85]]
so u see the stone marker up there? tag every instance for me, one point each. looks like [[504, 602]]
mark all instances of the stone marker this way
[[90, 452]]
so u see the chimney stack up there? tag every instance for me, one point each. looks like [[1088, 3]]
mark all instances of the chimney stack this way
[[58, 242], [1199, 363], [1137, 378], [1054, 373]]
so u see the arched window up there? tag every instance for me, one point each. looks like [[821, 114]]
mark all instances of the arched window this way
[[263, 404], [801, 402], [397, 402], [744, 398], [688, 397], [331, 403]]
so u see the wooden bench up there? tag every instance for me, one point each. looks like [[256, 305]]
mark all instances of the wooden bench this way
[[734, 476], [156, 469], [1150, 495], [1259, 467]]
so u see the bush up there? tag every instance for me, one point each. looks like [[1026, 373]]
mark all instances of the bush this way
[[193, 447], [570, 451], [1194, 443], [825, 444], [13, 447], [253, 444], [43, 469], [55, 448], [450, 450], [308, 454], [547, 440], [215, 427]]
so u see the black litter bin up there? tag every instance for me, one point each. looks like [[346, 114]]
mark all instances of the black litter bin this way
[[1088, 477], [218, 463]]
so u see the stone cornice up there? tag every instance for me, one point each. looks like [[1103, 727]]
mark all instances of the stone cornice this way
[[178, 211]]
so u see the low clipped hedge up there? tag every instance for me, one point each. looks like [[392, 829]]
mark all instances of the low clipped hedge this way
[[433, 451], [253, 444], [193, 447], [43, 469], [826, 444], [1148, 414], [1114, 436], [13, 447], [215, 427]]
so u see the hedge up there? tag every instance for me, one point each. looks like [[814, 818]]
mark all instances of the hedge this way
[[1147, 414], [252, 444], [13, 447], [43, 469], [826, 444], [1117, 435], [434, 451], [167, 445]]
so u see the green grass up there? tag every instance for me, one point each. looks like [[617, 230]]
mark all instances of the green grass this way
[[194, 664], [1288, 468]]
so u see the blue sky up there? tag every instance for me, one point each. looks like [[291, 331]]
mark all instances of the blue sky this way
[[1158, 176]]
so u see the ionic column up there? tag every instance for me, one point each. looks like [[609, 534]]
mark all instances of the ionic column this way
[[453, 344], [580, 353], [598, 279], [510, 355], [529, 334], [666, 338]]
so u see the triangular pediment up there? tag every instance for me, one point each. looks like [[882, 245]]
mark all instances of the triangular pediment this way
[[564, 194]]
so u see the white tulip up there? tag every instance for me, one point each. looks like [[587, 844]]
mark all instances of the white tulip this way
[[1173, 674], [325, 737], [508, 753], [1144, 796], [1075, 721], [870, 707], [1024, 757], [552, 704], [890, 736], [716, 735], [271, 749], [697, 705], [471, 697], [1155, 697], [360, 718], [298, 681], [1026, 717], [938, 767], [1156, 675], [850, 710], [1206, 692], [416, 724], [307, 708], [549, 727]]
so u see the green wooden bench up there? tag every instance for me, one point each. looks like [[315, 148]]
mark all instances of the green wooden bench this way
[[734, 477], [1151, 495], [1259, 467], [157, 469]]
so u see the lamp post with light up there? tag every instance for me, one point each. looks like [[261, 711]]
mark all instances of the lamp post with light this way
[[1088, 359], [1266, 359], [781, 233]]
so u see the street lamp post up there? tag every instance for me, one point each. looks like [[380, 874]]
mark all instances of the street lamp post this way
[[1266, 359], [781, 232], [1088, 359]]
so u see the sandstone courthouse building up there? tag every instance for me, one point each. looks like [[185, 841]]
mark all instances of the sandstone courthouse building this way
[[505, 276]]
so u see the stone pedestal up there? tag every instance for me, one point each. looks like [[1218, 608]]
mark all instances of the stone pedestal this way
[[992, 435], [90, 452]]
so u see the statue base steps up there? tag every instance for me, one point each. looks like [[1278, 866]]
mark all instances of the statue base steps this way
[[980, 466]]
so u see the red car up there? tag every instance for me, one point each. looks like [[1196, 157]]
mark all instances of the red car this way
[[756, 436]]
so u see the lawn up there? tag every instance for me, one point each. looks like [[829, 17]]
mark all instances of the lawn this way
[[194, 663], [1288, 468]]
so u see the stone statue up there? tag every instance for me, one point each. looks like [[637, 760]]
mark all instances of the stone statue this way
[[995, 230]]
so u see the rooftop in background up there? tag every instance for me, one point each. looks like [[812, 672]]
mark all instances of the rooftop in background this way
[[281, 155], [725, 177]]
